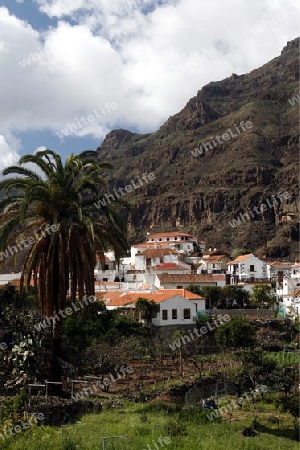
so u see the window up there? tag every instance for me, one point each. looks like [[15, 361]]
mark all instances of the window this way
[[186, 313], [165, 314], [179, 287], [174, 314], [251, 267], [105, 279]]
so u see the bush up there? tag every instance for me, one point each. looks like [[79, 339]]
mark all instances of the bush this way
[[174, 428]]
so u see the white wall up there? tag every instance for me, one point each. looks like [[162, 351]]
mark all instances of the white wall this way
[[243, 268], [180, 303]]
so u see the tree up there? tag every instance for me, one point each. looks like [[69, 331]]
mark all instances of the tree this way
[[214, 296], [238, 332], [262, 296], [148, 308], [236, 295], [195, 289], [53, 214]]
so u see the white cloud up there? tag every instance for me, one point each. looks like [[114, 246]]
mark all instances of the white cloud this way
[[8, 156], [149, 65]]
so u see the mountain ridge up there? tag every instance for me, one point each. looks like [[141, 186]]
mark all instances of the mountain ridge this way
[[203, 194]]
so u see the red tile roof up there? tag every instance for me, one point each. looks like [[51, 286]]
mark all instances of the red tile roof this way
[[165, 278], [153, 244], [171, 234], [240, 258], [157, 252], [280, 264], [122, 299], [214, 258], [168, 266]]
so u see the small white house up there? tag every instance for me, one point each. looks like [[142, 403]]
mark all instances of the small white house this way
[[278, 270], [150, 258], [181, 242], [177, 310], [214, 263], [247, 268], [177, 306]]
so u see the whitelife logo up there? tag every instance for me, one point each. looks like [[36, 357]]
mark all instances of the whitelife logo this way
[[86, 120], [63, 313], [203, 330], [294, 100], [86, 392], [25, 243], [126, 190], [259, 209], [229, 134]]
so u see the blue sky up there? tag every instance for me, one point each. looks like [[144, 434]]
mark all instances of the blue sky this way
[[90, 66]]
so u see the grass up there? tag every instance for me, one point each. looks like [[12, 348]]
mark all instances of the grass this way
[[285, 358], [188, 429]]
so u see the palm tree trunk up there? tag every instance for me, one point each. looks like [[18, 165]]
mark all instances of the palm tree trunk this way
[[55, 368]]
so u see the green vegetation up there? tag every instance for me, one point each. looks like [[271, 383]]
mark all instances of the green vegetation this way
[[188, 429], [236, 333], [262, 297], [56, 215]]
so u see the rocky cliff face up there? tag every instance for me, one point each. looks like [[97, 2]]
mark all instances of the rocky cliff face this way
[[231, 175]]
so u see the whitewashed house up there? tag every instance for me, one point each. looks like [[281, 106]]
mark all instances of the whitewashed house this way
[[177, 306], [180, 242], [213, 264], [247, 268], [276, 270], [288, 291], [151, 258], [178, 310]]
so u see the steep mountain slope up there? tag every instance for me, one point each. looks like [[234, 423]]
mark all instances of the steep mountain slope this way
[[203, 194]]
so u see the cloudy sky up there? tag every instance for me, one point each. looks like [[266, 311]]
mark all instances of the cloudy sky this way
[[72, 70]]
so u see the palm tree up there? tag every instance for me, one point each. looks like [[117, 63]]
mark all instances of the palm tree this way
[[59, 197]]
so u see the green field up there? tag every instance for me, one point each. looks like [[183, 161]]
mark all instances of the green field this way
[[188, 429]]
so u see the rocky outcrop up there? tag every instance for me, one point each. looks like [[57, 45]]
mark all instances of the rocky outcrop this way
[[203, 194]]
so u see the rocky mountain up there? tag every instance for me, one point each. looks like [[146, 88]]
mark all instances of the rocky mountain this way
[[246, 129]]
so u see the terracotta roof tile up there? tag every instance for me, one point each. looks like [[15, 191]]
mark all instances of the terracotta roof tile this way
[[280, 264], [240, 258], [170, 234], [157, 297], [157, 252], [187, 278], [214, 258], [168, 266]]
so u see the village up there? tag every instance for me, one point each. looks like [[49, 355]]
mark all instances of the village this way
[[162, 269]]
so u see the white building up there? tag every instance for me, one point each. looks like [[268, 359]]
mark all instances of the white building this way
[[288, 292], [277, 270], [177, 306], [153, 257], [247, 268], [180, 242], [213, 264]]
